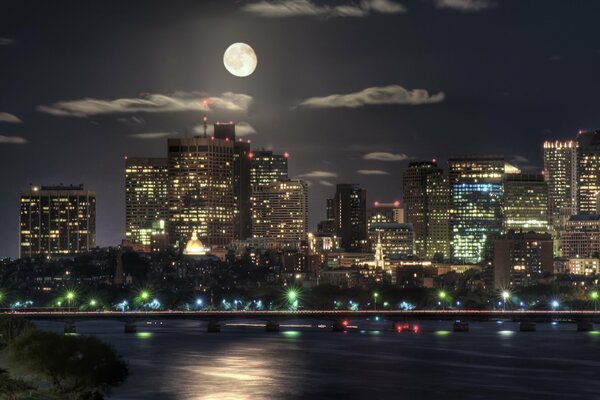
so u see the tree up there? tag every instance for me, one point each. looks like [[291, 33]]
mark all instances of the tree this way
[[11, 327]]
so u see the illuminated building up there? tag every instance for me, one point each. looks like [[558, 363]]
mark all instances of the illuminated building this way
[[397, 240], [57, 220], [560, 171], [583, 266], [476, 205], [327, 226], [588, 172], [194, 247], [201, 190], [438, 219], [146, 200], [350, 217], [525, 203], [266, 167], [521, 259], [580, 236], [280, 210], [385, 212]]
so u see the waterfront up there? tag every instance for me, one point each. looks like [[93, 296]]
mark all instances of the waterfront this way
[[179, 360]]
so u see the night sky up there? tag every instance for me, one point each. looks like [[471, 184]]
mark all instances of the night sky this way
[[419, 79]]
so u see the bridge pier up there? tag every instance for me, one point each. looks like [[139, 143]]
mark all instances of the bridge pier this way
[[584, 326], [213, 327], [70, 327], [272, 326], [130, 327], [340, 326], [527, 326]]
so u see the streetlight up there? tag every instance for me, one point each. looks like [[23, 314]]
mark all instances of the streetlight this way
[[375, 295], [594, 295], [70, 296], [93, 303], [555, 304], [505, 297], [442, 296]]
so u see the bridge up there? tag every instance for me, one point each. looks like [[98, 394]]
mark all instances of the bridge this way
[[338, 318]]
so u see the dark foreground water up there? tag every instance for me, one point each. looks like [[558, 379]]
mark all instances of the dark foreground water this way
[[179, 360]]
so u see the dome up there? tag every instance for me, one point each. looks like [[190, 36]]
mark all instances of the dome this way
[[195, 247]]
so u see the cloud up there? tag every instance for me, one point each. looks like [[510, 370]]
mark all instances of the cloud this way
[[6, 117], [372, 172], [319, 174], [153, 135], [307, 8], [6, 41], [151, 103], [519, 159], [241, 129], [465, 5], [384, 156], [393, 94], [326, 183], [13, 140], [132, 120]]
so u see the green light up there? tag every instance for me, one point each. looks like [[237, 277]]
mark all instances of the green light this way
[[92, 302], [144, 335], [292, 295], [375, 294], [442, 295], [291, 334], [505, 295], [145, 295], [594, 295], [442, 333], [70, 295]]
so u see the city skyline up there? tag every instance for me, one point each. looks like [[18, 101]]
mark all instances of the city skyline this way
[[44, 135]]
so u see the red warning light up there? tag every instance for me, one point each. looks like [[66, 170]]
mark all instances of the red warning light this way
[[376, 203], [345, 323], [397, 203], [286, 154]]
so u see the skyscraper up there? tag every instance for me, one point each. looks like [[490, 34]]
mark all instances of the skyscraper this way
[[201, 190], [397, 239], [280, 210], [266, 167], [57, 220], [588, 172], [350, 215], [146, 198], [425, 196], [525, 203], [476, 205], [385, 212], [560, 172]]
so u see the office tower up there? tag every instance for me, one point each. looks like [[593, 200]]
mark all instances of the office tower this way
[[588, 172], [525, 203], [438, 217], [580, 236], [146, 199], [201, 190], [327, 226], [521, 259], [476, 205], [426, 196], [266, 167], [350, 216], [280, 210], [385, 212], [397, 239], [560, 171], [57, 220]]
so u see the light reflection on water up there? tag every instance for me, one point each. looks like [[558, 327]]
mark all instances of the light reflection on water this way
[[179, 360]]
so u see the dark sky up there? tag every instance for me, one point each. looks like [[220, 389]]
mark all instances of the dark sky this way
[[501, 77]]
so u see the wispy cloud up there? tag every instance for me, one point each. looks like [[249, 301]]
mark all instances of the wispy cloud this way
[[393, 94], [326, 183], [6, 117], [241, 129], [6, 41], [151, 103], [465, 5], [308, 8], [385, 156], [372, 172], [153, 135], [13, 140], [319, 174]]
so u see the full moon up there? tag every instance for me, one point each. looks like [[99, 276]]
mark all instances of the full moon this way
[[240, 59]]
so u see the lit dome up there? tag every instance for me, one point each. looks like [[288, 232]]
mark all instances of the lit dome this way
[[195, 247]]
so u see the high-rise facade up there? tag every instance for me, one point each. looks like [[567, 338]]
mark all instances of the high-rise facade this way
[[580, 236], [266, 167], [57, 220], [146, 198], [588, 172], [384, 213], [280, 210], [396, 239], [201, 190], [560, 172], [476, 187], [525, 203], [350, 216], [438, 217]]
